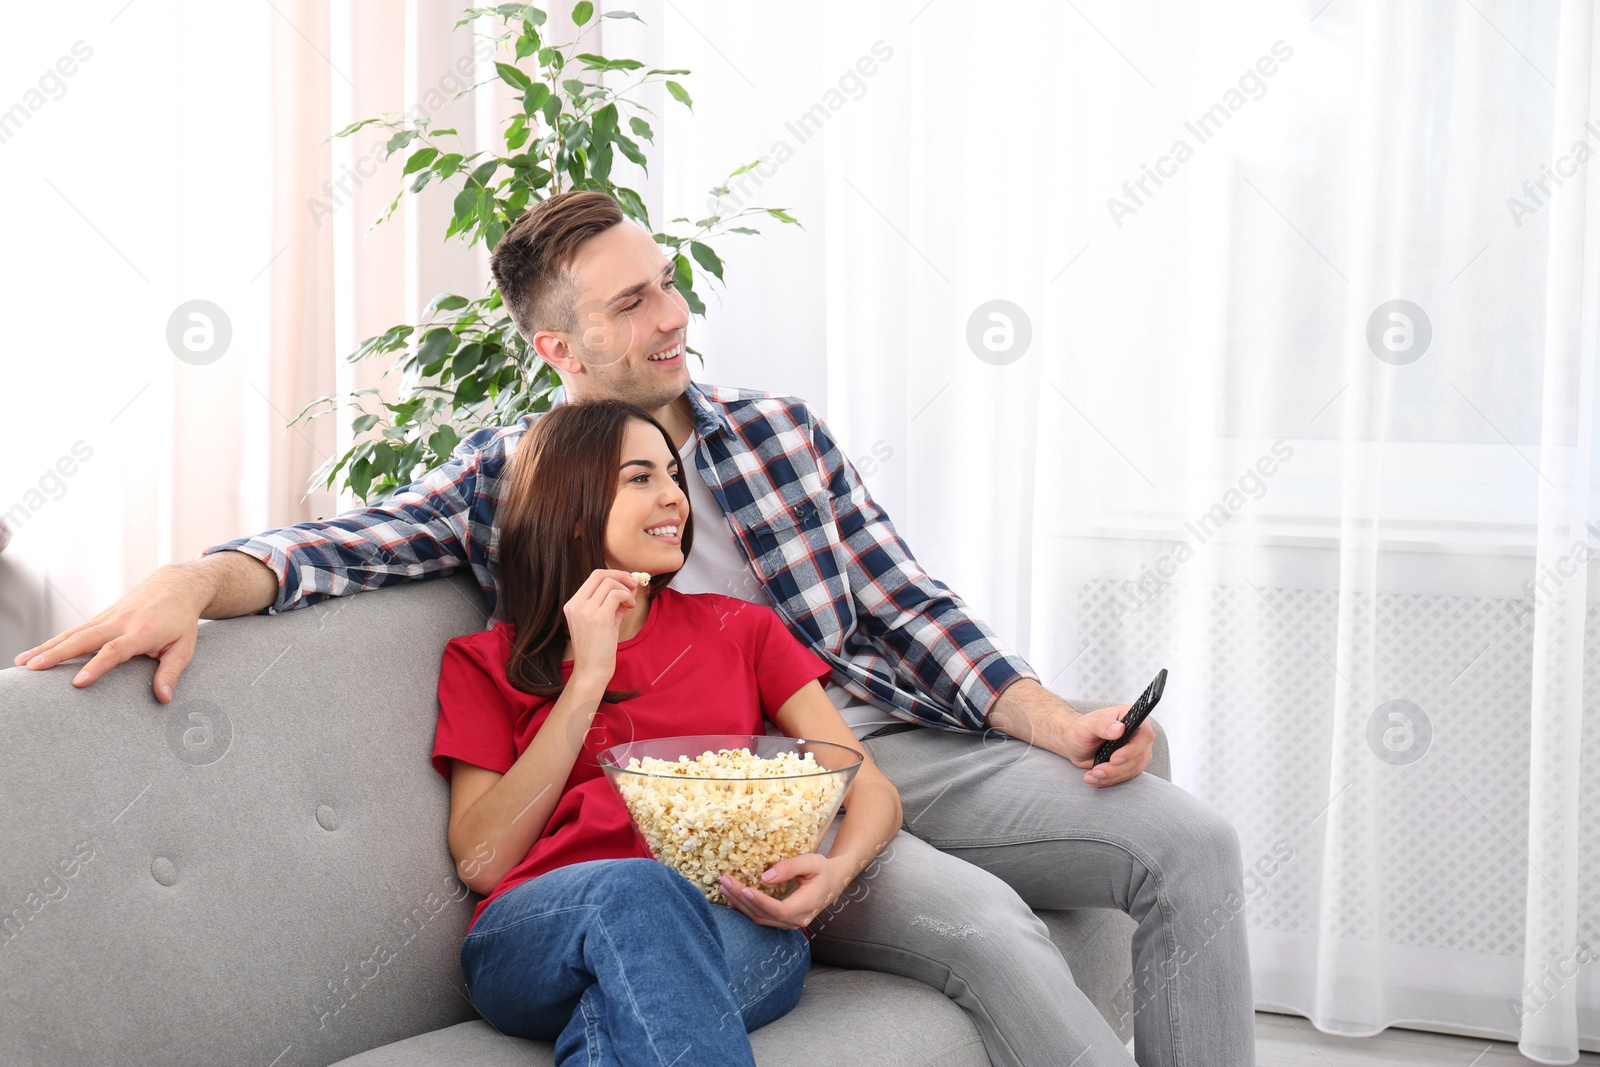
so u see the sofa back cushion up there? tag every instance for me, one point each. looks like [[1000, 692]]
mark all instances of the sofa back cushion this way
[[255, 873]]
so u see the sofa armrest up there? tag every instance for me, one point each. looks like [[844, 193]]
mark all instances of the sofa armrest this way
[[1160, 755]]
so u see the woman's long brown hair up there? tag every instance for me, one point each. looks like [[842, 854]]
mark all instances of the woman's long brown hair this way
[[563, 479]]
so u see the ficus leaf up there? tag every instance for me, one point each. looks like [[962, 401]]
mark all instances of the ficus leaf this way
[[467, 367], [513, 77], [420, 158], [707, 259]]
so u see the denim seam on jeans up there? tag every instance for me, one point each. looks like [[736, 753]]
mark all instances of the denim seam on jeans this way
[[590, 1026], [622, 974], [480, 928], [611, 945]]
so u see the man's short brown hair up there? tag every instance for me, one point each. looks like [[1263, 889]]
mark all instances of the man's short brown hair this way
[[532, 263]]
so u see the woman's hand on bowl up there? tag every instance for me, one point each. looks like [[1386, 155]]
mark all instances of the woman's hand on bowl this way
[[818, 881]]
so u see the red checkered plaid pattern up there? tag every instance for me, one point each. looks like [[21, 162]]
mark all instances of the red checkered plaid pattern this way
[[841, 577]]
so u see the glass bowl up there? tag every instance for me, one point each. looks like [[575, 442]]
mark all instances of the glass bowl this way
[[738, 823]]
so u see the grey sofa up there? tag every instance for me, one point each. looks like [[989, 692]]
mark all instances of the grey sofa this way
[[257, 873]]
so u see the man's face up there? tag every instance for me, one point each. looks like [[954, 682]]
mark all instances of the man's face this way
[[631, 322]]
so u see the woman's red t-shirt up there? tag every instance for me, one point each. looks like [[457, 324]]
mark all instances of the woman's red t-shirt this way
[[703, 664]]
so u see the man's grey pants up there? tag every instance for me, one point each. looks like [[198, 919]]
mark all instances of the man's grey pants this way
[[998, 828]]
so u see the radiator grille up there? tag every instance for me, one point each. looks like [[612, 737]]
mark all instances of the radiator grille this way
[[1452, 826]]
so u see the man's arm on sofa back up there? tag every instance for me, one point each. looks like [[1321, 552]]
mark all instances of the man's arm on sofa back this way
[[430, 527]]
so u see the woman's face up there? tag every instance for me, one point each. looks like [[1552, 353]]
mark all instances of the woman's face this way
[[644, 532]]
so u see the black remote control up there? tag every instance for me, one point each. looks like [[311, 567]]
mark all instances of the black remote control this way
[[1135, 715]]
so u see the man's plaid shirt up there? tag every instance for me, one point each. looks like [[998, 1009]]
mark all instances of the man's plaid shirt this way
[[841, 578]]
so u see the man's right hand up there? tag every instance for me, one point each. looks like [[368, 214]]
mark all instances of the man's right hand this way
[[160, 618]]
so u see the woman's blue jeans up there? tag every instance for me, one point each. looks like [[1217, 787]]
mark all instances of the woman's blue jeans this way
[[625, 962]]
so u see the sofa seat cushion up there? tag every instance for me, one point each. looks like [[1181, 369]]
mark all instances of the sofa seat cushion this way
[[845, 1017]]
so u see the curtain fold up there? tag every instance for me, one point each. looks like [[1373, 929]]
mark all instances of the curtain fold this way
[[1558, 894], [299, 276]]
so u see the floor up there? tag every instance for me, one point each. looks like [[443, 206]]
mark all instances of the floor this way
[[1291, 1041]]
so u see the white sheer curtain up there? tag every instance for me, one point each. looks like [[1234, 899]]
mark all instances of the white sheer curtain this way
[[135, 174], [1221, 451], [183, 153]]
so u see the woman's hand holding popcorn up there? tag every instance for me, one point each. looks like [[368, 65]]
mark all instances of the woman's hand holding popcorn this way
[[594, 621], [818, 881]]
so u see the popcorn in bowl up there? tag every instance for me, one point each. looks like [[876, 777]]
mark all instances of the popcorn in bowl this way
[[736, 807]]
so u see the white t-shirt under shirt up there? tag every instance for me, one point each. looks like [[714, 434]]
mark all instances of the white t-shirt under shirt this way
[[715, 564]]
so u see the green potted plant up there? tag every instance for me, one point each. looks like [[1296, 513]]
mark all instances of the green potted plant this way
[[464, 366]]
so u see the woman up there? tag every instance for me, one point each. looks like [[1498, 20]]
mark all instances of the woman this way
[[581, 939]]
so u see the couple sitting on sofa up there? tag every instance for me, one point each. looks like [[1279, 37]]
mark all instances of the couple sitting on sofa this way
[[845, 637]]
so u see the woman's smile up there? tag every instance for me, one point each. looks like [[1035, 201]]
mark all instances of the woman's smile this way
[[666, 533]]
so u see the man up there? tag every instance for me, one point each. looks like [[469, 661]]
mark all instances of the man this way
[[996, 824]]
